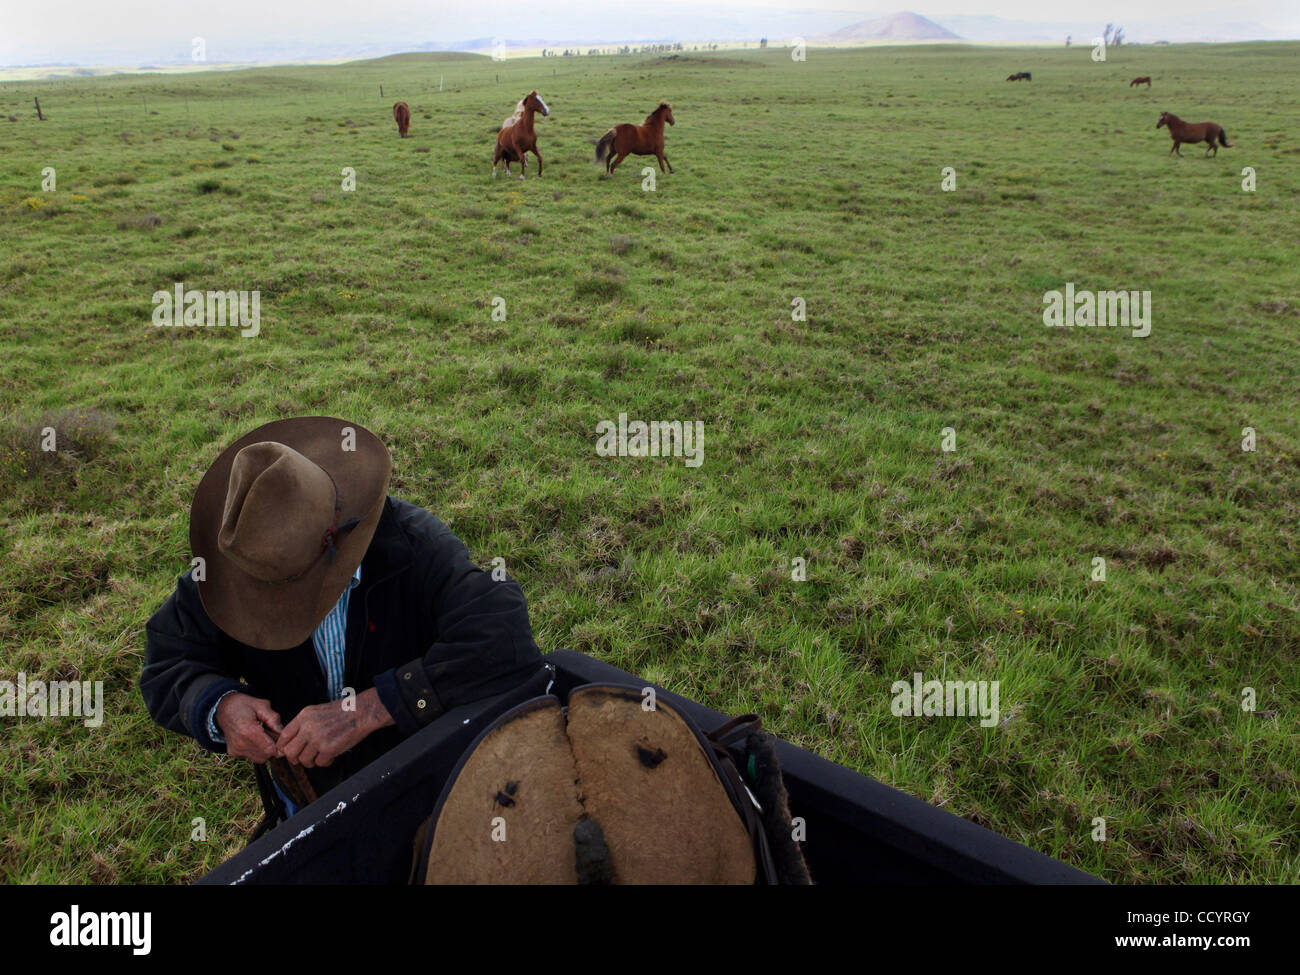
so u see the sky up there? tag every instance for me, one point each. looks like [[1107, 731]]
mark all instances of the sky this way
[[75, 30]]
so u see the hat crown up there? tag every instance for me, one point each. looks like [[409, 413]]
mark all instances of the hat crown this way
[[279, 507], [280, 522]]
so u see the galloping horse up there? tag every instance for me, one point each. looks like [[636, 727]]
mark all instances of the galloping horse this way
[[1191, 134], [403, 115], [1020, 76], [1138, 81], [627, 139], [516, 135]]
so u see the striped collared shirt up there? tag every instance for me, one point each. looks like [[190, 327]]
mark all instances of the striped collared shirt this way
[[330, 641]]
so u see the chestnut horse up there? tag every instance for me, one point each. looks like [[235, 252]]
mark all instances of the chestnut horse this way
[[1191, 134], [1020, 76], [1138, 81], [403, 115], [627, 139], [517, 136]]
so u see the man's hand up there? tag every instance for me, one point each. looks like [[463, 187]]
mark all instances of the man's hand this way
[[243, 719], [321, 733]]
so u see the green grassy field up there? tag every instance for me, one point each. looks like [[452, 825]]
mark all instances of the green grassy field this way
[[818, 180]]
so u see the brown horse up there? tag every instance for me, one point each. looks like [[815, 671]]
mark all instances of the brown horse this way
[[403, 115], [1138, 81], [1191, 134], [1020, 76], [627, 139], [517, 137]]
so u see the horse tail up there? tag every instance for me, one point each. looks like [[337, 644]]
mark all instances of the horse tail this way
[[1223, 139], [604, 146]]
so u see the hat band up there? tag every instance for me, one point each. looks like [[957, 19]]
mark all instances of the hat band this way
[[327, 538]]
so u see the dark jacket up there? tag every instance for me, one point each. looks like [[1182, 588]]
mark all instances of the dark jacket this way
[[426, 628]]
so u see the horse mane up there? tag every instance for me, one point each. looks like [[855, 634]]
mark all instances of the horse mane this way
[[663, 107], [519, 113]]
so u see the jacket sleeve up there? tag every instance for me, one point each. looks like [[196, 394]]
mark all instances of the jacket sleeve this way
[[187, 666], [485, 644]]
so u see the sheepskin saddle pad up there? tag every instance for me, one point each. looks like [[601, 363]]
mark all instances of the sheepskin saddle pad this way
[[603, 791]]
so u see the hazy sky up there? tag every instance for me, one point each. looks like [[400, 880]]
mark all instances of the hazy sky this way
[[35, 31]]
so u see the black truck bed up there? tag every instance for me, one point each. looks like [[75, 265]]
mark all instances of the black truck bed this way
[[858, 830]]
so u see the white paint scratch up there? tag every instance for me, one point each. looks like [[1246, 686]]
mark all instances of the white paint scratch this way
[[284, 848]]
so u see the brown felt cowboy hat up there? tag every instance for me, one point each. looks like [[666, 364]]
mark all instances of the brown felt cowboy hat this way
[[281, 520]]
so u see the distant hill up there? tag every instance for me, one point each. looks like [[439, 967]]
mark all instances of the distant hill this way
[[1177, 30], [905, 26], [421, 57]]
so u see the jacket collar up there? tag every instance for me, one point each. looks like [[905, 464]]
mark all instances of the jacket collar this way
[[390, 549]]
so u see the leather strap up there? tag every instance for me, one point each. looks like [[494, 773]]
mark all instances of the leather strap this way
[[292, 781], [739, 728], [291, 778], [272, 804]]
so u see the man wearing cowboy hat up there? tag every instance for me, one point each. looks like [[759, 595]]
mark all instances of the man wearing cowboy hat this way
[[322, 621]]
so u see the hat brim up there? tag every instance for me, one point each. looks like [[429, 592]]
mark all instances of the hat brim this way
[[280, 616]]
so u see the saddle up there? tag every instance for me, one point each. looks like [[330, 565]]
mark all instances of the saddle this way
[[617, 787]]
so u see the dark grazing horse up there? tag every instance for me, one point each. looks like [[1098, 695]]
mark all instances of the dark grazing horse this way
[[517, 136], [403, 116], [1020, 76], [1138, 81], [1191, 133], [627, 139]]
